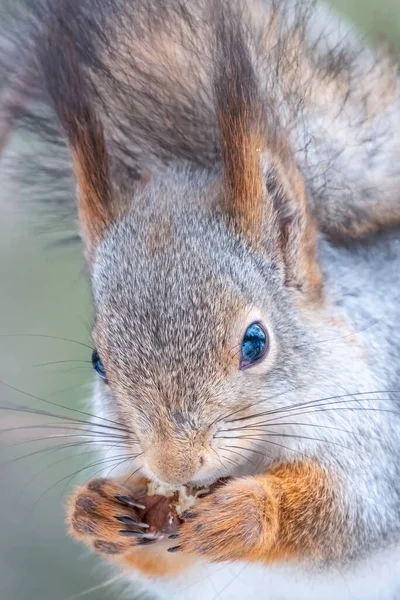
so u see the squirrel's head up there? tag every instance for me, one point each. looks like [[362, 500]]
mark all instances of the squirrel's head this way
[[200, 281], [196, 322]]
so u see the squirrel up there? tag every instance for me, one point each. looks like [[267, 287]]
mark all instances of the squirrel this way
[[238, 175]]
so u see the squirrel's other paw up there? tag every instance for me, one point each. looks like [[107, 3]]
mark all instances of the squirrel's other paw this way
[[106, 516], [239, 521]]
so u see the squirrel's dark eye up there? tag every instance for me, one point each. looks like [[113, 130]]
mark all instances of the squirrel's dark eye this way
[[98, 365], [254, 345]]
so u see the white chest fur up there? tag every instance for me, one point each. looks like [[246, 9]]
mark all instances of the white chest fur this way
[[376, 579]]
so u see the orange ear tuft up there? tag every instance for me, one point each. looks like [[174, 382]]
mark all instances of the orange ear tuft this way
[[240, 120], [244, 189], [70, 90], [91, 170]]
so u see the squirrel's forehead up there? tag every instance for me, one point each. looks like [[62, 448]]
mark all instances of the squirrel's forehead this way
[[169, 283], [198, 276], [163, 309], [172, 276]]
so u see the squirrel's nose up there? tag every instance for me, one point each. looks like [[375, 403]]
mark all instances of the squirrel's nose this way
[[174, 463]]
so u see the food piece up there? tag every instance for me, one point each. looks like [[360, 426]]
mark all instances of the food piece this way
[[165, 504], [182, 497], [160, 513]]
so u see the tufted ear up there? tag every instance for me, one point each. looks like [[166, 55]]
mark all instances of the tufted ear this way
[[263, 192], [296, 239], [69, 90], [241, 127]]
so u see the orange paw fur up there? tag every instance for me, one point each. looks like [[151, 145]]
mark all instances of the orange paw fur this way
[[98, 513], [237, 522], [289, 511], [282, 514], [105, 515]]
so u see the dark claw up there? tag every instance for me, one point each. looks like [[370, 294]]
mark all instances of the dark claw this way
[[145, 541], [174, 549], [129, 521], [187, 514], [135, 534], [173, 536], [128, 502]]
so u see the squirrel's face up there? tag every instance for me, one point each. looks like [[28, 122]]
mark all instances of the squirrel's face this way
[[198, 273], [193, 330]]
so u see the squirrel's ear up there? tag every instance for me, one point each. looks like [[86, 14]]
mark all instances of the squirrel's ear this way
[[263, 192], [239, 114], [296, 232], [90, 162], [69, 91]]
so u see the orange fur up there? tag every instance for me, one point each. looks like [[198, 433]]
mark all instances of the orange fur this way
[[71, 92], [269, 517], [91, 170], [244, 189], [241, 126], [91, 517], [156, 562]]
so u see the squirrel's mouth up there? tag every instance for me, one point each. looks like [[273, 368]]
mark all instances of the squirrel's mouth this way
[[205, 477]]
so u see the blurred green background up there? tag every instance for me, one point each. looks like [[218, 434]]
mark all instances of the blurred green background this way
[[44, 292]]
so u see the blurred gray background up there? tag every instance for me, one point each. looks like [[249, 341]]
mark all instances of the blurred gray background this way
[[43, 292]]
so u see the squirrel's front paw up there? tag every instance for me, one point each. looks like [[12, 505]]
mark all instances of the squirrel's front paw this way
[[239, 521], [106, 516]]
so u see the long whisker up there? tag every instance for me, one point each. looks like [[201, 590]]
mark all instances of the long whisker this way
[[348, 408], [348, 399], [258, 427], [217, 457], [269, 442], [273, 397], [133, 473], [272, 443], [293, 389], [228, 449], [81, 441], [91, 431], [288, 435], [57, 462], [53, 337], [91, 416], [60, 362], [310, 403], [45, 413], [340, 337], [99, 471], [131, 458], [252, 450], [231, 460], [95, 588], [68, 389], [337, 409], [47, 451], [71, 423], [71, 476]]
